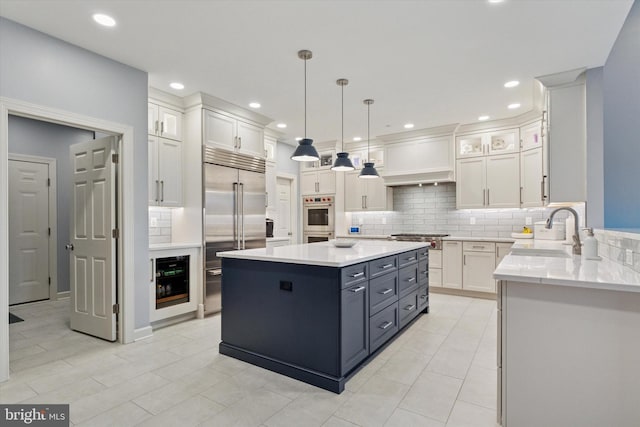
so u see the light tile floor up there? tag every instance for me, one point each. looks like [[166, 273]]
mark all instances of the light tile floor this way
[[439, 372]]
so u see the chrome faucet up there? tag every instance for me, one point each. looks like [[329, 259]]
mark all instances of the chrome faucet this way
[[577, 248]]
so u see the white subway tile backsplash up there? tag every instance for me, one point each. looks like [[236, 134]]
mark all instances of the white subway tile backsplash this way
[[159, 225]]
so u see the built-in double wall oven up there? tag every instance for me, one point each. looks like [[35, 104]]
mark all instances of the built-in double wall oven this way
[[318, 217]]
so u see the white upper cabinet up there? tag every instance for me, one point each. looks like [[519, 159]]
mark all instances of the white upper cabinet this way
[[164, 122], [532, 178], [470, 183], [366, 194], [318, 182], [327, 158], [229, 133], [270, 146], [165, 172], [488, 143], [488, 182]]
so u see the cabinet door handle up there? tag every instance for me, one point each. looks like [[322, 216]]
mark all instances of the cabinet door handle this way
[[412, 258], [266, 199], [542, 195], [425, 254], [157, 126], [385, 325], [484, 197], [317, 187], [520, 195], [358, 274], [362, 202], [411, 279], [425, 272], [386, 291], [162, 191], [157, 190], [464, 260], [410, 307], [240, 142], [365, 202], [423, 296], [358, 289], [151, 277], [161, 128], [235, 142], [488, 200], [386, 266]]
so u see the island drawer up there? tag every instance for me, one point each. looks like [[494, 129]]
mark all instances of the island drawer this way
[[423, 254], [407, 258], [408, 279], [408, 308], [354, 274], [383, 266], [383, 326], [423, 272], [383, 291], [423, 297]]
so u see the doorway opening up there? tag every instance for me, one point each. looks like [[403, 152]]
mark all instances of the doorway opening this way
[[123, 198]]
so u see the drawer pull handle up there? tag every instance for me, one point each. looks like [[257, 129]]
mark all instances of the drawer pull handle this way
[[410, 307], [423, 296], [386, 291], [386, 325], [358, 274], [425, 272], [411, 279], [477, 247], [358, 289], [386, 266], [411, 258]]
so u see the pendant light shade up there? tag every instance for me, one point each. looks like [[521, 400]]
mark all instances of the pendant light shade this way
[[305, 152], [342, 163], [368, 171]]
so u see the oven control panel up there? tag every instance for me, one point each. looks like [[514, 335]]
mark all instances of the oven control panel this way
[[319, 199]]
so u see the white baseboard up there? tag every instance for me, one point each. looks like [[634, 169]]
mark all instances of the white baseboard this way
[[142, 333], [63, 294]]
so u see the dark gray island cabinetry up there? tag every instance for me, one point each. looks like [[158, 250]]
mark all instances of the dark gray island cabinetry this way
[[315, 312]]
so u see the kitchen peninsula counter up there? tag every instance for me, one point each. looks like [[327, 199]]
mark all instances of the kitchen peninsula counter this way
[[316, 312]]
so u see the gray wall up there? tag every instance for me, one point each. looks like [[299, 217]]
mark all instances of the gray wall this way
[[595, 149], [44, 139], [621, 116], [283, 159], [46, 71]]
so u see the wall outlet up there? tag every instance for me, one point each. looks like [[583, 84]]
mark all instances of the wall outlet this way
[[153, 222], [528, 220], [628, 257], [384, 220], [472, 220]]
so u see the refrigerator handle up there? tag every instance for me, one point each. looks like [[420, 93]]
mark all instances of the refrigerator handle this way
[[242, 212], [236, 210]]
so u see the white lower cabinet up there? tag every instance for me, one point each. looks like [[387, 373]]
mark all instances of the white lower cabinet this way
[[366, 194], [274, 243], [435, 267], [478, 264], [452, 264], [502, 250]]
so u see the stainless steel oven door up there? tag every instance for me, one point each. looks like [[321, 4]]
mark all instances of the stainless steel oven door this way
[[310, 237], [319, 217]]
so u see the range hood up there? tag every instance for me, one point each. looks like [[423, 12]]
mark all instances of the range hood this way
[[422, 156]]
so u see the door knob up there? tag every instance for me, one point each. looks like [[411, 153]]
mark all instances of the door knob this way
[[69, 247]]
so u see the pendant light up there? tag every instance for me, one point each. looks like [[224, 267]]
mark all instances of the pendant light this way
[[342, 163], [369, 171], [305, 151]]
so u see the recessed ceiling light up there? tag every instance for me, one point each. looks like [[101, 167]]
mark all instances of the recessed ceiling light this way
[[513, 106], [105, 20], [298, 138], [281, 125], [495, 1], [254, 105], [512, 83], [408, 125], [357, 138], [483, 118], [176, 86]]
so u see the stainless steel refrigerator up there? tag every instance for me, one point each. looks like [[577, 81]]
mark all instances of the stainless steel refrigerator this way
[[234, 212]]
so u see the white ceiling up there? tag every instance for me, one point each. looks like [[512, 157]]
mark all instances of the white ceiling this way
[[429, 62]]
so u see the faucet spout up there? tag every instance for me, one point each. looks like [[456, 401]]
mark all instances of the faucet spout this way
[[577, 247]]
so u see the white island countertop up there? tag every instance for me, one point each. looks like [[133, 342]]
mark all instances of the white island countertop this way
[[325, 253], [572, 271]]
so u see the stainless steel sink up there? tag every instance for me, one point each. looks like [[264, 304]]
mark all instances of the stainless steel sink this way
[[545, 252]]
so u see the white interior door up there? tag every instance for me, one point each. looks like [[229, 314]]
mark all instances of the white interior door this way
[[92, 247], [28, 231], [283, 219]]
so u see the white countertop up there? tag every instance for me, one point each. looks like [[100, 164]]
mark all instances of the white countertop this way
[[363, 236], [573, 271], [165, 246], [278, 239], [325, 253]]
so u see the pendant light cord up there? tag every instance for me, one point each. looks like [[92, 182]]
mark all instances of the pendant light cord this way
[[305, 98], [342, 87], [368, 130]]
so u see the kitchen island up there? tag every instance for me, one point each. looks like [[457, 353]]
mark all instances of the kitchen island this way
[[316, 312], [568, 339]]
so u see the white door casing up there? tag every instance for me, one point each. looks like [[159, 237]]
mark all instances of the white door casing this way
[[29, 270], [283, 218], [92, 255]]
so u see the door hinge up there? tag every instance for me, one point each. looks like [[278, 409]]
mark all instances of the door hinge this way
[[49, 280], [49, 231], [116, 308], [114, 158], [48, 182], [115, 233]]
